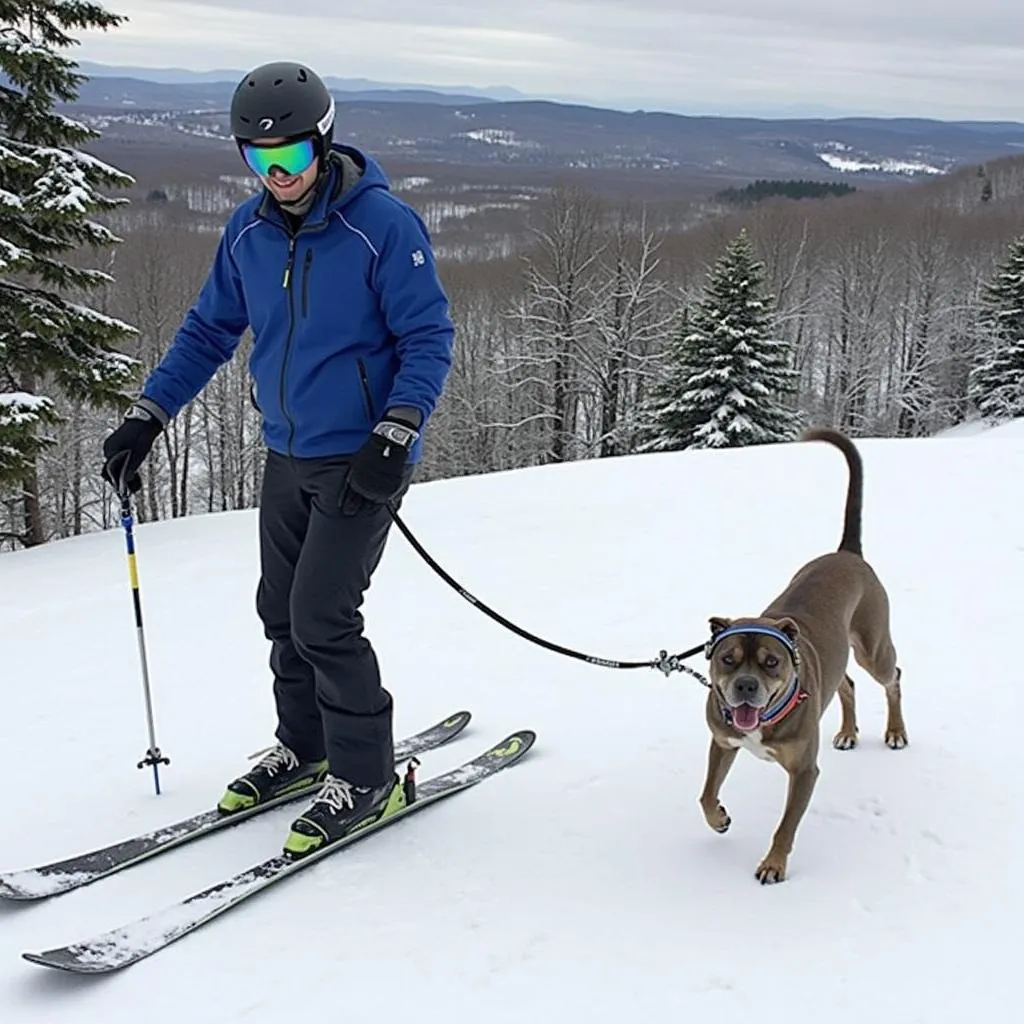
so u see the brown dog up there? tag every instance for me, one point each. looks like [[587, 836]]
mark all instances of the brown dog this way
[[773, 676]]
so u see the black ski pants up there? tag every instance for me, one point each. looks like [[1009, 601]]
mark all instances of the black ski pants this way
[[316, 564]]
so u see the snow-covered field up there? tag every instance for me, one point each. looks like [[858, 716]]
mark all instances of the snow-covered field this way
[[583, 885]]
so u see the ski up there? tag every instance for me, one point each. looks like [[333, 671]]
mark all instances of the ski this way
[[133, 942], [65, 875]]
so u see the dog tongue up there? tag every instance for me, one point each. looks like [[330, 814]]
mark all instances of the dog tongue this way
[[745, 717]]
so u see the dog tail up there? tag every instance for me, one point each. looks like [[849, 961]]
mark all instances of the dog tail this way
[[855, 492]]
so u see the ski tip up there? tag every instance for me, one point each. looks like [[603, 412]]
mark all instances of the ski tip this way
[[72, 961], [52, 958], [458, 720], [16, 894], [514, 746], [39, 884]]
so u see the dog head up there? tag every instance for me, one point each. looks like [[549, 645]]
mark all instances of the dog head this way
[[751, 663]]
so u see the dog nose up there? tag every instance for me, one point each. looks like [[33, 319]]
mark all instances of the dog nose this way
[[745, 687]]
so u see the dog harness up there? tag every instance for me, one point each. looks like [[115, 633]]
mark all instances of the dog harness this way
[[793, 696]]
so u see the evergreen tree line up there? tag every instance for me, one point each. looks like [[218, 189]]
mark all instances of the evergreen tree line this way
[[609, 333], [763, 188]]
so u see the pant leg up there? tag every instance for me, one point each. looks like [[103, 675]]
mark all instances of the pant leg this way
[[339, 557], [284, 522]]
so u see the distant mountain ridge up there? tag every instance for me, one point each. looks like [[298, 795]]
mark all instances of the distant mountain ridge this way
[[477, 129], [185, 76]]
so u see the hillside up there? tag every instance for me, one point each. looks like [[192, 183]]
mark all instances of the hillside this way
[[584, 884]]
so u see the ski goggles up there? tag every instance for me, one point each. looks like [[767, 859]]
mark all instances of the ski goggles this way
[[291, 157]]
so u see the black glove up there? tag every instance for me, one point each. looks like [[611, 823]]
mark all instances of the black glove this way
[[377, 473], [126, 448]]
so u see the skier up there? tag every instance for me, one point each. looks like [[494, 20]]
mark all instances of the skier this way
[[336, 278]]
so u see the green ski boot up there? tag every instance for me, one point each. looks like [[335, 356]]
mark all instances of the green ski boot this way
[[279, 773], [340, 809]]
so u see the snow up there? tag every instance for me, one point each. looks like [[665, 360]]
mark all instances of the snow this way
[[888, 165], [96, 317], [15, 157], [969, 428], [15, 43], [39, 883], [583, 884], [410, 183], [496, 137], [1013, 430], [10, 254], [19, 407]]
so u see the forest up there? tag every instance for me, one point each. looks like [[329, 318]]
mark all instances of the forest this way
[[568, 321]]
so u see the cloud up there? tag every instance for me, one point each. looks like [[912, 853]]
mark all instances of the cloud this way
[[905, 57]]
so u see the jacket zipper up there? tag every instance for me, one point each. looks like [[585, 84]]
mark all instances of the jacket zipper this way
[[287, 285], [306, 266]]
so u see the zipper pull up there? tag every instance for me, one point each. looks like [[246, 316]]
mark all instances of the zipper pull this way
[[288, 265]]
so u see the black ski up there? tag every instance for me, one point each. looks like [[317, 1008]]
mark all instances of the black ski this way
[[133, 942], [65, 875]]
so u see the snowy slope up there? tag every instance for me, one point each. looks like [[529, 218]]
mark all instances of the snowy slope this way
[[584, 884]]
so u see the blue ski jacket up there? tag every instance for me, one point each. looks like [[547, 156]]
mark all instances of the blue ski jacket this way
[[348, 317]]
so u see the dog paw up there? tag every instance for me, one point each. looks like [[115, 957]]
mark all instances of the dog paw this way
[[844, 740], [896, 739], [718, 819], [771, 870]]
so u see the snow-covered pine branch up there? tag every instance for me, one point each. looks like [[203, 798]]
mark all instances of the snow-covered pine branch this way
[[52, 344]]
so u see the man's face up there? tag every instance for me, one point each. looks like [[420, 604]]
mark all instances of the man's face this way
[[283, 186]]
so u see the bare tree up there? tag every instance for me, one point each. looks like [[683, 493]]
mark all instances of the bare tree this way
[[558, 310], [634, 316], [161, 269]]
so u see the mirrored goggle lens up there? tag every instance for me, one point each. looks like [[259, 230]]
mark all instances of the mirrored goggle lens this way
[[291, 157]]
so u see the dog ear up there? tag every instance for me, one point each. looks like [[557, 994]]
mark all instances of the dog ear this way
[[718, 624], [790, 628]]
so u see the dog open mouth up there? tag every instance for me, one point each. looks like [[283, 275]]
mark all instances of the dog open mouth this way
[[746, 717]]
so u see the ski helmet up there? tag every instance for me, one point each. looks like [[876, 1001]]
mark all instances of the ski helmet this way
[[285, 99]]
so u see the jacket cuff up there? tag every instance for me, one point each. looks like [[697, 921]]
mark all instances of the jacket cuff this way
[[407, 415], [153, 409]]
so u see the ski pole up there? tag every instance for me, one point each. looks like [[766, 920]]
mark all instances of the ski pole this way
[[153, 756]]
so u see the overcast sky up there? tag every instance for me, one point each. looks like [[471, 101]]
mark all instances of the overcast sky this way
[[883, 57]]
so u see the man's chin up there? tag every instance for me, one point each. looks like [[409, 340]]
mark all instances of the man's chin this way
[[293, 195]]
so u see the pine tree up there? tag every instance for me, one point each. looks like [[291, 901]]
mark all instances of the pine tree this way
[[996, 382], [729, 380], [51, 343]]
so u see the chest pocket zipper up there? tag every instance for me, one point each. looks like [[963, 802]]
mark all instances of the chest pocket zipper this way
[[307, 265], [364, 380]]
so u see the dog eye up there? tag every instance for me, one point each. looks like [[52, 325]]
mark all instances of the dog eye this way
[[771, 661], [728, 659]]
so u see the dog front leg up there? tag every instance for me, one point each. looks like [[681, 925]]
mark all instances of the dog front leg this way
[[801, 785], [720, 760]]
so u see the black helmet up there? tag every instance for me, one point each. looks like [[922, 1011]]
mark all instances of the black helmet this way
[[283, 99]]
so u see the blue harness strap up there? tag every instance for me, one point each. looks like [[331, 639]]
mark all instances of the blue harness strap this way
[[743, 630]]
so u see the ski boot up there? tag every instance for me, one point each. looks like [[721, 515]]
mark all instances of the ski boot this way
[[340, 809], [278, 773]]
